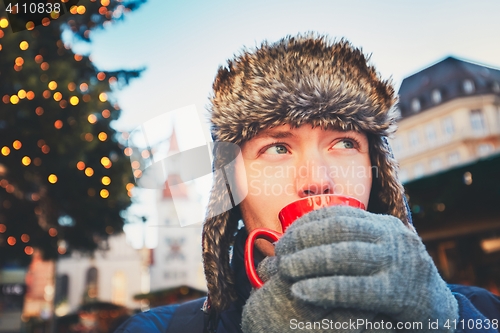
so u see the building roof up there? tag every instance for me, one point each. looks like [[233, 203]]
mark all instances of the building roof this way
[[446, 77]]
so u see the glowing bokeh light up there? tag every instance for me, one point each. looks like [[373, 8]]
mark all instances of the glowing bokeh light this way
[[11, 241], [92, 119], [102, 136], [106, 162], [52, 178], [74, 100], [4, 23], [24, 45], [17, 144], [106, 180], [58, 124], [26, 160], [19, 61], [89, 172], [52, 85], [104, 193], [14, 99], [57, 96]]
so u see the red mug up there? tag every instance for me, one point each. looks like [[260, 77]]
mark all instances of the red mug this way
[[287, 216]]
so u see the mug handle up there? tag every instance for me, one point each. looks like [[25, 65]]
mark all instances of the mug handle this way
[[267, 234]]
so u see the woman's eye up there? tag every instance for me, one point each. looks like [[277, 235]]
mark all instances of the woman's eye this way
[[345, 144], [276, 149]]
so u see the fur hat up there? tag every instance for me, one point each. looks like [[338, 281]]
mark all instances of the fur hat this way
[[306, 79]]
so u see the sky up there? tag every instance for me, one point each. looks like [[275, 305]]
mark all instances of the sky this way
[[181, 44]]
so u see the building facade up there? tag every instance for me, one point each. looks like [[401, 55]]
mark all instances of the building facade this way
[[450, 116], [114, 276], [448, 149]]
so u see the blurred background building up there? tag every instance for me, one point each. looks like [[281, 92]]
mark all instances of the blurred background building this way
[[450, 115], [448, 148]]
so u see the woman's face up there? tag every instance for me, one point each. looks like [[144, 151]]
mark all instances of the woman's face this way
[[284, 164]]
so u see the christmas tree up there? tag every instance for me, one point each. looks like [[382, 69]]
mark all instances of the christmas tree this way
[[64, 176]]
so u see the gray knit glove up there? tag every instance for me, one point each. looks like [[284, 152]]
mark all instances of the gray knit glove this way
[[272, 309], [345, 257]]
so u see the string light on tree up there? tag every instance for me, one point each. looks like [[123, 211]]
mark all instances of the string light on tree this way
[[92, 119], [26, 161], [89, 172], [17, 145], [104, 193], [52, 178], [106, 180], [46, 76]]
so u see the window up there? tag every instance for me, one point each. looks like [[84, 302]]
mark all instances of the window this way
[[468, 86], [448, 126], [62, 289], [119, 288], [91, 285], [454, 158], [418, 170], [413, 138], [430, 132], [477, 121], [484, 149], [436, 96], [436, 164], [415, 105]]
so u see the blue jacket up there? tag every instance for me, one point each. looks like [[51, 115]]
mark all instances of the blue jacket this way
[[477, 306]]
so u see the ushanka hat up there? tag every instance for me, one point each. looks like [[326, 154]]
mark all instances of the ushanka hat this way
[[306, 79]]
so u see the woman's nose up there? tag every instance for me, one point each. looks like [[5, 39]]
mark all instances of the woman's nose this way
[[314, 178]]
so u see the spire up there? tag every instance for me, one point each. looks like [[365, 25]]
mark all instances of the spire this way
[[174, 146], [180, 191]]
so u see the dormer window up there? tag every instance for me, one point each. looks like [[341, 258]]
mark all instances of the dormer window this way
[[468, 86], [436, 96], [415, 105]]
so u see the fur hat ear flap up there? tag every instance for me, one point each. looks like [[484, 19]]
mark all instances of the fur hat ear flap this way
[[387, 193], [218, 236], [221, 223]]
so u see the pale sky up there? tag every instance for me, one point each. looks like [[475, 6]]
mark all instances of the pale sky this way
[[182, 43]]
